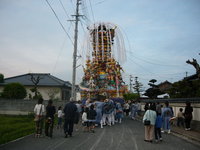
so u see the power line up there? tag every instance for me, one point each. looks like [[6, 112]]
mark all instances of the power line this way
[[59, 21], [147, 61], [64, 9], [92, 10]]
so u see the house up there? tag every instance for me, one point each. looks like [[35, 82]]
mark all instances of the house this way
[[191, 78], [164, 86], [50, 87]]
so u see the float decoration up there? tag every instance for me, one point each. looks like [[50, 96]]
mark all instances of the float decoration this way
[[102, 71]]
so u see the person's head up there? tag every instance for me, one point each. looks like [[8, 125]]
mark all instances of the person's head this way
[[40, 101], [50, 102], [71, 99], [188, 103], [60, 107], [181, 109], [166, 103], [152, 106], [92, 107], [86, 109]]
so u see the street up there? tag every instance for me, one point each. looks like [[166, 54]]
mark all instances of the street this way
[[125, 136]]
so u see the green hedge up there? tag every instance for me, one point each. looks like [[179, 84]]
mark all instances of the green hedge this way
[[13, 127]]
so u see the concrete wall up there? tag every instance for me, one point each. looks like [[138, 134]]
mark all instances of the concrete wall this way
[[23, 107], [176, 106]]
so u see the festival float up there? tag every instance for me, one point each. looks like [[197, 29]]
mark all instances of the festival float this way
[[105, 54]]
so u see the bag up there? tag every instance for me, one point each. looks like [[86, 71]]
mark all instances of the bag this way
[[49, 120], [37, 118], [147, 122]]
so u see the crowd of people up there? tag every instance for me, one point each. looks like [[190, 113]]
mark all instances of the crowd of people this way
[[159, 119], [107, 112]]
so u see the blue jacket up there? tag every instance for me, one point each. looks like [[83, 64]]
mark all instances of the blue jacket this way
[[158, 121]]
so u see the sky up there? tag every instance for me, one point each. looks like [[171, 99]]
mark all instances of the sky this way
[[159, 36]]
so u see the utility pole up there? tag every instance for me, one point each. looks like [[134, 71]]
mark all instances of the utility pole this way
[[75, 50], [131, 85]]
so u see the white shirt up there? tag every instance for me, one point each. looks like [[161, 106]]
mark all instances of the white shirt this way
[[60, 114], [37, 110], [84, 117]]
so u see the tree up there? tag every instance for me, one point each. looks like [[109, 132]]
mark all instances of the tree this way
[[153, 91], [14, 91], [35, 80], [131, 96], [185, 89], [195, 65], [1, 78], [137, 86]]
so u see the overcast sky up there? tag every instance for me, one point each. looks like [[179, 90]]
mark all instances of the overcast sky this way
[[159, 35]]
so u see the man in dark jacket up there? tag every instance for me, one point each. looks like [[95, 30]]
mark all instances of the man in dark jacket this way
[[70, 112], [50, 112]]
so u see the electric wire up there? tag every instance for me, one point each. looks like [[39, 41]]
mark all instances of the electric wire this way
[[92, 10], [59, 21]]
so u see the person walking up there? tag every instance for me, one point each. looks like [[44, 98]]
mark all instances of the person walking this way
[[99, 106], [158, 126], [49, 121], [150, 115], [133, 110], [127, 108], [167, 114], [91, 116], [60, 117], [70, 112], [180, 118], [119, 112], [39, 117], [188, 115]]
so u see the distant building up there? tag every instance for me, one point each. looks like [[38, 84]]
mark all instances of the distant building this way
[[50, 87], [164, 86]]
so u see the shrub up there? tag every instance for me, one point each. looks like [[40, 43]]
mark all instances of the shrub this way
[[14, 91], [1, 78]]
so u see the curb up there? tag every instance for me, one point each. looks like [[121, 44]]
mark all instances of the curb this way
[[187, 138]]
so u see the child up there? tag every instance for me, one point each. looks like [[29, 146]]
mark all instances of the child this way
[[158, 126], [60, 115], [91, 116], [85, 120], [180, 118]]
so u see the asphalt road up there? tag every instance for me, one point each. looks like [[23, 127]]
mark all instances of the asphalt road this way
[[129, 135]]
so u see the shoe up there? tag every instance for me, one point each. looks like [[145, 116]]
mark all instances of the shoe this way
[[66, 135], [189, 129], [92, 131], [146, 140], [160, 139], [151, 141], [70, 135], [169, 132], [156, 141]]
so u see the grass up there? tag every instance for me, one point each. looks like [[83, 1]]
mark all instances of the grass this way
[[13, 127]]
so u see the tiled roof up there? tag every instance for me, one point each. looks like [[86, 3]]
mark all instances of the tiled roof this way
[[46, 79]]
